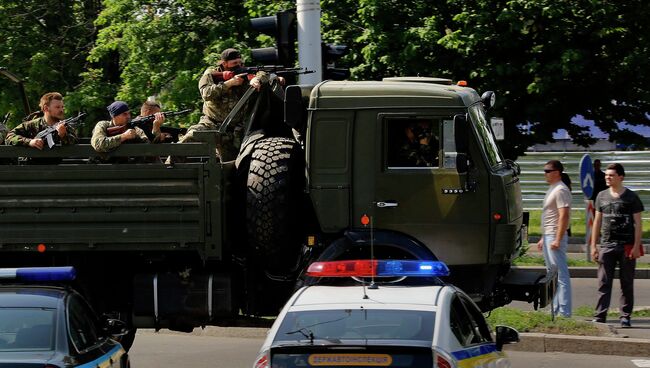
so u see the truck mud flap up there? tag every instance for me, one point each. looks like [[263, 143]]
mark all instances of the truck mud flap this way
[[182, 303], [532, 286]]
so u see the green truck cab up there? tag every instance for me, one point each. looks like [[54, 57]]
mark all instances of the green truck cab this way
[[400, 168]]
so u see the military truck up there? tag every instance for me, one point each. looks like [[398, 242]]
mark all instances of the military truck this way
[[332, 171]]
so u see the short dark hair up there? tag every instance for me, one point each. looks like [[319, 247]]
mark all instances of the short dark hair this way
[[616, 167], [557, 165], [148, 106]]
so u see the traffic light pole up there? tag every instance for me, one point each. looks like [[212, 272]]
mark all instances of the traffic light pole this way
[[309, 40]]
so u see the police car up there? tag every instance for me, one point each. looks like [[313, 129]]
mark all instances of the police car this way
[[43, 325], [381, 321]]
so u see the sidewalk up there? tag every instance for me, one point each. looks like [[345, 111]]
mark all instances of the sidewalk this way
[[633, 342]]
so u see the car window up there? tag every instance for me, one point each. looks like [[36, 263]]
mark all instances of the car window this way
[[479, 324], [467, 323], [27, 329], [412, 142], [84, 331], [357, 324]]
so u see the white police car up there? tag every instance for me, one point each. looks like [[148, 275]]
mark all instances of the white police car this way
[[382, 324], [46, 324]]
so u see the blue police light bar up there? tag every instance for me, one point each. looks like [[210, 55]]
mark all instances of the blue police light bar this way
[[39, 274], [378, 268]]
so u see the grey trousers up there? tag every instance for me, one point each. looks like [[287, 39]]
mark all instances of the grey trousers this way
[[606, 266]]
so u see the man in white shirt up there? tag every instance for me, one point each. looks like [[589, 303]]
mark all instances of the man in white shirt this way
[[556, 214]]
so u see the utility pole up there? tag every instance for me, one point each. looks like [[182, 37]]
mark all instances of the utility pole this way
[[309, 40]]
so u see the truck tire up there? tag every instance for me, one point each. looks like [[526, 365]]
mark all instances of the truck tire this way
[[273, 200]]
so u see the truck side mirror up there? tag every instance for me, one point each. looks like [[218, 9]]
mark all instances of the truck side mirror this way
[[296, 101], [461, 139], [455, 143]]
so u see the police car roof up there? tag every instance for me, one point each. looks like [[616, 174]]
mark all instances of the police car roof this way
[[27, 296], [385, 297]]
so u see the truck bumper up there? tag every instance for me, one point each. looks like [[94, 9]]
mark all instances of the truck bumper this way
[[531, 286]]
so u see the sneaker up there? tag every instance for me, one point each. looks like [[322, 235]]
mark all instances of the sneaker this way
[[625, 322], [596, 320]]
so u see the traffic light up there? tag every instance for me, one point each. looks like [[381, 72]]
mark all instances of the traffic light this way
[[332, 53], [282, 26]]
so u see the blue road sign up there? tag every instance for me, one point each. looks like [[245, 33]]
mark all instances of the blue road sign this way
[[586, 176]]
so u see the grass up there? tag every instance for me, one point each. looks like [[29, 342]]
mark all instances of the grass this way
[[577, 224], [588, 311], [528, 260], [540, 322]]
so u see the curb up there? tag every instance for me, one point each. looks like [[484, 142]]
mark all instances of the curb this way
[[588, 272], [542, 343]]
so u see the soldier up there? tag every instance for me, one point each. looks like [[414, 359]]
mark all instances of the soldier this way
[[219, 98], [51, 105], [416, 150], [103, 142]]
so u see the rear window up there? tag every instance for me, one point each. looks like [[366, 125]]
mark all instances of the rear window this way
[[358, 324], [26, 329]]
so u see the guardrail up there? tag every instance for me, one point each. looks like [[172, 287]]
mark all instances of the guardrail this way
[[533, 185]]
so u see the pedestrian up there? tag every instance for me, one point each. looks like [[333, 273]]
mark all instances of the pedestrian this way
[[556, 213], [599, 180], [618, 223]]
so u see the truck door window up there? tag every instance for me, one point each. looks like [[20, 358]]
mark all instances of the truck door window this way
[[412, 142]]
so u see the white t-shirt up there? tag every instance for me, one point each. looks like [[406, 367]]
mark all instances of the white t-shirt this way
[[557, 196]]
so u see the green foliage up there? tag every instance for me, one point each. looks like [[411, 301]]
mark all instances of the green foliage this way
[[548, 61], [540, 322], [577, 224]]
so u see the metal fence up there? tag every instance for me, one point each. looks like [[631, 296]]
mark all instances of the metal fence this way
[[637, 174]]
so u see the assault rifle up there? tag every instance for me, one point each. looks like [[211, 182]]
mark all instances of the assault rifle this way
[[146, 124], [3, 124], [50, 135], [3, 127], [250, 72]]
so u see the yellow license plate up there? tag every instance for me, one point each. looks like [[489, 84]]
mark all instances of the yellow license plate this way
[[361, 360]]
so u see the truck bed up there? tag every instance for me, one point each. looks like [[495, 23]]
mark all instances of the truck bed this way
[[81, 206]]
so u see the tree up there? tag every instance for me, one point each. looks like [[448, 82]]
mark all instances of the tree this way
[[548, 61], [46, 44]]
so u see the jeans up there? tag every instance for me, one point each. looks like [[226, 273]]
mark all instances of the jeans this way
[[557, 258], [606, 266]]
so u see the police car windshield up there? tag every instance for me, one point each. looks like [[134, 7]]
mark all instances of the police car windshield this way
[[369, 325], [26, 329]]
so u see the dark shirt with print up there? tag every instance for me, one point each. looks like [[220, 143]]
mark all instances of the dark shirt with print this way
[[617, 226]]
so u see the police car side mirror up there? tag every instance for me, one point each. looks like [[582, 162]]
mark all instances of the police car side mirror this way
[[115, 327], [506, 335]]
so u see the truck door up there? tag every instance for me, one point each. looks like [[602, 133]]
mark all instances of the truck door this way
[[414, 188]]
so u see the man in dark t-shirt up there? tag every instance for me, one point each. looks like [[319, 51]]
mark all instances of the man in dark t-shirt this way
[[618, 222]]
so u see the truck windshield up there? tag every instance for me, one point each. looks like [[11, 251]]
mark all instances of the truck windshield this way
[[485, 135]]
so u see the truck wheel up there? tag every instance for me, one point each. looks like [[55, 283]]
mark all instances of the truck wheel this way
[[273, 201]]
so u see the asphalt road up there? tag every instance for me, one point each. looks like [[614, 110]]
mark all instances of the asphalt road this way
[[153, 350]]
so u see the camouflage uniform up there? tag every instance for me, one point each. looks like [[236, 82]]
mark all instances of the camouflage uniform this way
[[101, 142], [218, 101], [414, 154], [25, 132]]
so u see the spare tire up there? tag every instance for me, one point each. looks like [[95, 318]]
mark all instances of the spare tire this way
[[273, 203]]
